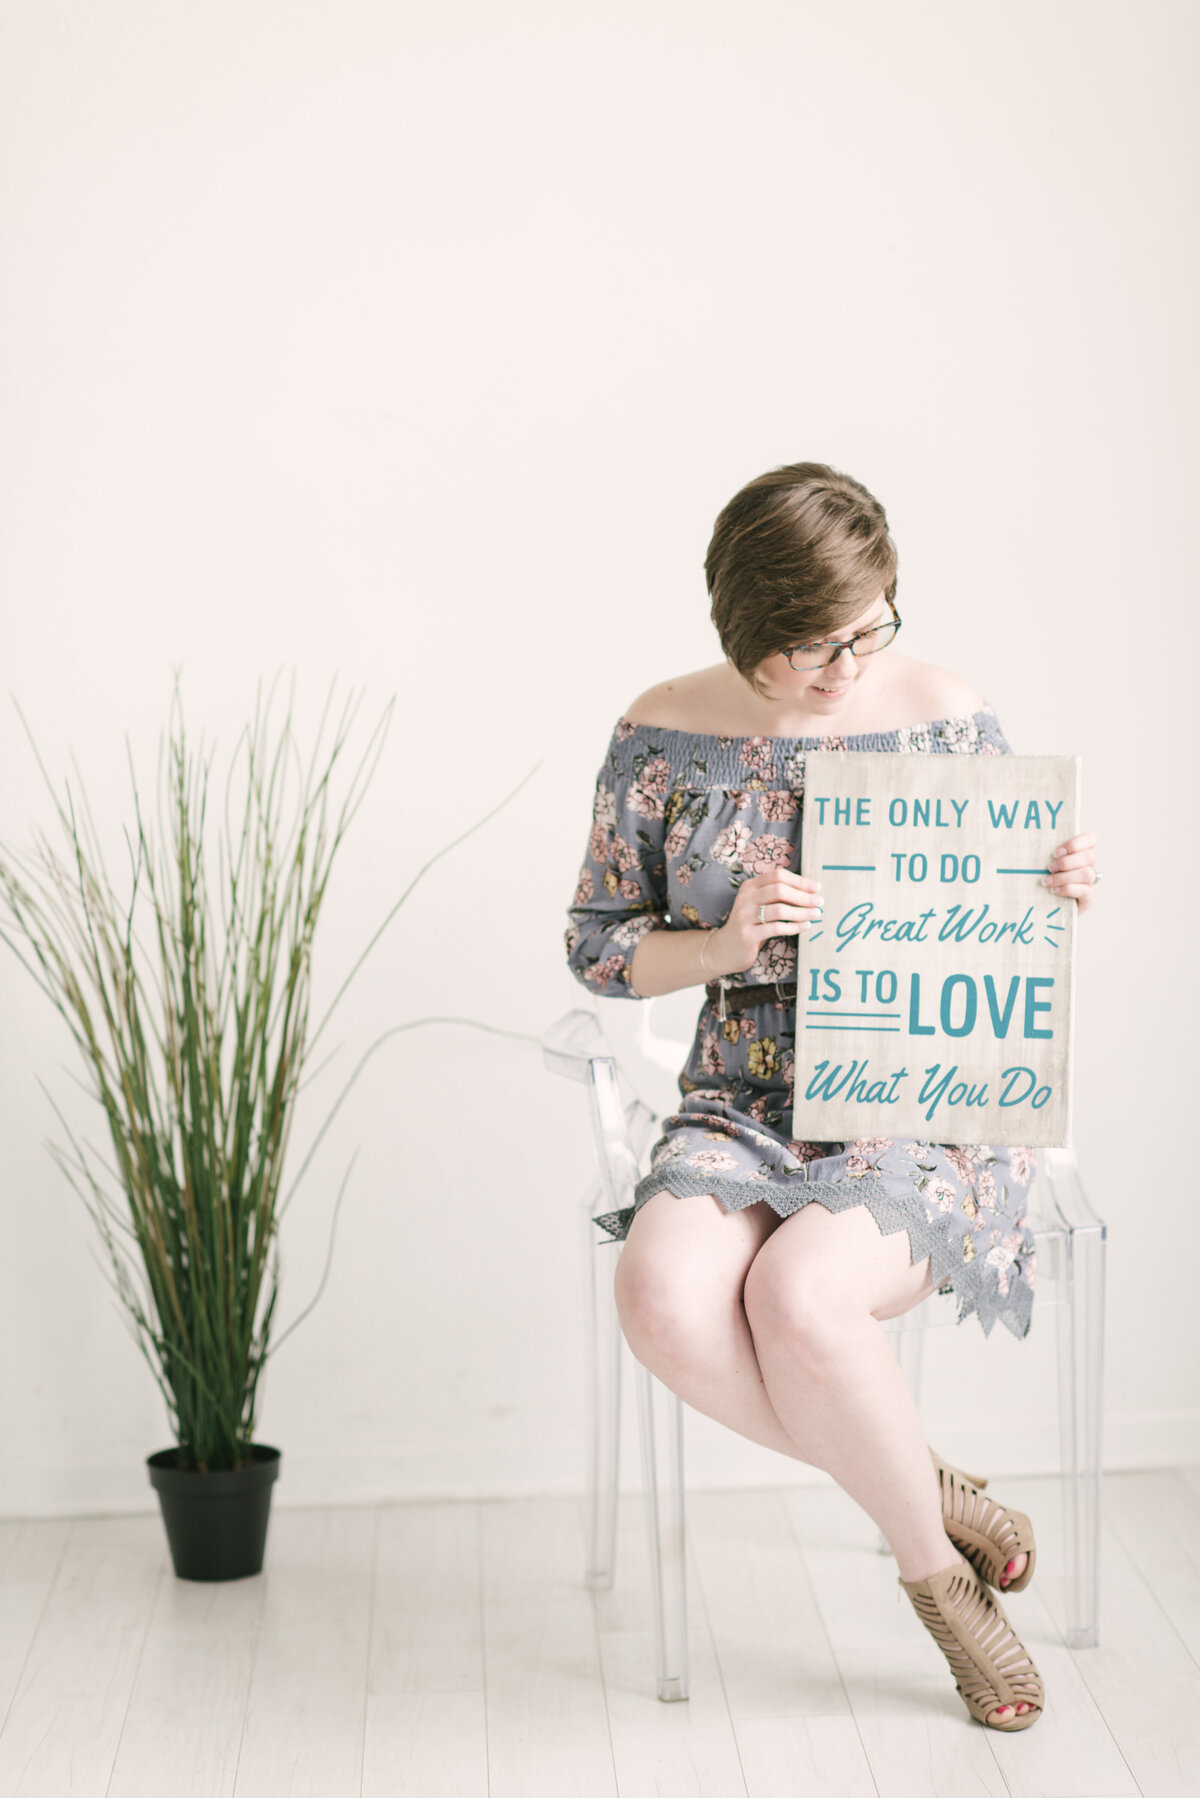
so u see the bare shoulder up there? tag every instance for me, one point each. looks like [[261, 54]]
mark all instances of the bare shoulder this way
[[673, 704], [931, 692]]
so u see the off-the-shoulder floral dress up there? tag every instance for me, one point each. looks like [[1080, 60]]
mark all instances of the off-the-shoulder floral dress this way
[[680, 820]]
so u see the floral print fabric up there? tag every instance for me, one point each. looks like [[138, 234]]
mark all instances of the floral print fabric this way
[[678, 822]]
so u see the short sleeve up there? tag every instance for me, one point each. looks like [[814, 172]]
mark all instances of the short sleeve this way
[[992, 740], [622, 889]]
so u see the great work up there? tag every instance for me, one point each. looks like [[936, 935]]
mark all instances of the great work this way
[[961, 924]]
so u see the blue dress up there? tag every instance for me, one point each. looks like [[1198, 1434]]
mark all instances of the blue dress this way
[[679, 820]]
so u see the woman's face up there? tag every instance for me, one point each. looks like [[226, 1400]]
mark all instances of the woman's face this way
[[825, 689]]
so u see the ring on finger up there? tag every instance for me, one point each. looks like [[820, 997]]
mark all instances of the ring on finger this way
[[762, 914]]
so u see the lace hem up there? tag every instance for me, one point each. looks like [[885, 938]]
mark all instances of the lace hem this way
[[975, 1284]]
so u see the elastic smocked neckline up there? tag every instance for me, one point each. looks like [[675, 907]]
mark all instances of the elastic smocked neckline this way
[[860, 736]]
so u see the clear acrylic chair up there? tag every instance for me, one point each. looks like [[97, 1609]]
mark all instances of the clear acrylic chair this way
[[630, 1074]]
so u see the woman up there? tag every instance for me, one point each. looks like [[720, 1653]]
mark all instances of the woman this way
[[757, 1306]]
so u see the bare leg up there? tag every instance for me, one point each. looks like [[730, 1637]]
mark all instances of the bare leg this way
[[814, 1296], [678, 1287], [813, 1299], [801, 1365]]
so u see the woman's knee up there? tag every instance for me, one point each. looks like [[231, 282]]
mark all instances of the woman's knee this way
[[672, 1307], [827, 1274], [676, 1306], [808, 1314], [807, 1301]]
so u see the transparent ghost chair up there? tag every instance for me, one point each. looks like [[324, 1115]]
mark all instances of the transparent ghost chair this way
[[627, 1054]]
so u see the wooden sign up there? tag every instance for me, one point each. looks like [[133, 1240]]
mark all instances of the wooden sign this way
[[934, 998]]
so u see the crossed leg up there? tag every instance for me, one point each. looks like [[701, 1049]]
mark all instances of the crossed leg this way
[[772, 1327]]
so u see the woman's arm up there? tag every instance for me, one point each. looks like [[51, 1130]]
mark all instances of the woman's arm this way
[[671, 959]]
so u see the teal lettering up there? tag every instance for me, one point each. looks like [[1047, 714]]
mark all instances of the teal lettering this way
[[1000, 1019], [826, 1085], [970, 1005], [1037, 1095], [915, 1026], [934, 1090], [963, 927], [1033, 1004]]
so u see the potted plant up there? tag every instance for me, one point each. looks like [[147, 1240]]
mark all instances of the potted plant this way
[[194, 1031]]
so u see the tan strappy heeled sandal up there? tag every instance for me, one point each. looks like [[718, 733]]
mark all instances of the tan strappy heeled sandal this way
[[989, 1664], [987, 1533]]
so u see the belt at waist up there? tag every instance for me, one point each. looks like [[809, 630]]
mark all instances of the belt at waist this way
[[737, 998]]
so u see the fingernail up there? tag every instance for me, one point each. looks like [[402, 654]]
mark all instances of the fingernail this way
[[1047, 882]]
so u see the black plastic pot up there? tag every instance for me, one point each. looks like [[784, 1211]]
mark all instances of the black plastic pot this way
[[216, 1522]]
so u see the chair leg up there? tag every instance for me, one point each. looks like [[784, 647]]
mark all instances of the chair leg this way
[[908, 1342], [602, 1346], [660, 1426], [1080, 1409]]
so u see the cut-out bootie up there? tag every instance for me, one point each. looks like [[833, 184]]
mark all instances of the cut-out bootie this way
[[989, 1664], [986, 1533]]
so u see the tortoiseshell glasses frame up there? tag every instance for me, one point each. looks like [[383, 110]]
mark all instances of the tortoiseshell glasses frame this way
[[887, 630]]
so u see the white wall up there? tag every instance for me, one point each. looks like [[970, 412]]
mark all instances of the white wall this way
[[425, 344]]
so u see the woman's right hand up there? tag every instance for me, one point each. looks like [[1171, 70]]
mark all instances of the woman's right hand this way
[[791, 905]]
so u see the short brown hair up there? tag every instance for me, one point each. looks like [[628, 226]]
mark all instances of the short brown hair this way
[[797, 552]]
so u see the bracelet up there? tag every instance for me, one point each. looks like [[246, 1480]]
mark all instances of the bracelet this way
[[704, 946]]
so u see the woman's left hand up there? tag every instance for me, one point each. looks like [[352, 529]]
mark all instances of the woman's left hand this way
[[1073, 870]]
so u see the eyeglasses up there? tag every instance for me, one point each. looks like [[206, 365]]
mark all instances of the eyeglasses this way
[[862, 643]]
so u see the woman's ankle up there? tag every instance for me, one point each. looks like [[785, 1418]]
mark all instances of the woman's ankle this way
[[923, 1570]]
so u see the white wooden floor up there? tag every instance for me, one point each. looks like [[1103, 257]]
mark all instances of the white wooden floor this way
[[450, 1649]]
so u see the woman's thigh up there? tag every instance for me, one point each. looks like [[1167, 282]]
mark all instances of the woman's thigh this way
[[823, 1263], [686, 1259]]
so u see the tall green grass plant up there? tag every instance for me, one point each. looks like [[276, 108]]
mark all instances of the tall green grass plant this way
[[189, 1003]]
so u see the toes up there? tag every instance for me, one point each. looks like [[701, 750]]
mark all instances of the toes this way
[[1001, 1714], [1014, 1569]]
